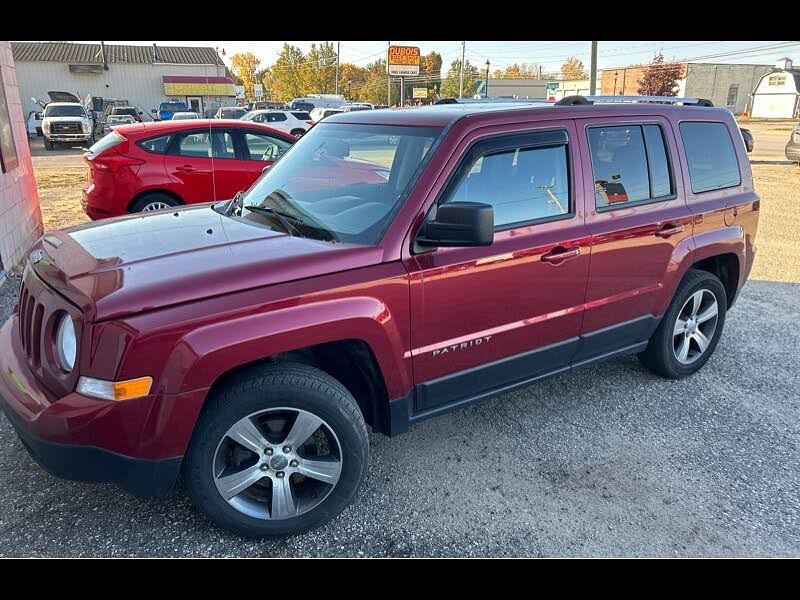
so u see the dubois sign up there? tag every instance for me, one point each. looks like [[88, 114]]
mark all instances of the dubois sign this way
[[403, 61]]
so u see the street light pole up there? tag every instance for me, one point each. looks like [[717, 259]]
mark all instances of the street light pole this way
[[461, 79], [616, 74], [593, 71], [337, 67], [486, 85]]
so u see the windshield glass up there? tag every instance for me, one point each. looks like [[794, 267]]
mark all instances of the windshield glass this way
[[172, 107], [64, 111], [341, 181]]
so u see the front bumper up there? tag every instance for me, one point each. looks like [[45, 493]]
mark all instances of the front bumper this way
[[69, 137], [138, 444], [793, 151]]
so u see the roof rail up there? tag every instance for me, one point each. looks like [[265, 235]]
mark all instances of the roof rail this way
[[572, 100]]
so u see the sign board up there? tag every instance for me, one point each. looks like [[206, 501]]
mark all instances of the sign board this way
[[420, 93], [403, 61], [239, 91], [259, 90]]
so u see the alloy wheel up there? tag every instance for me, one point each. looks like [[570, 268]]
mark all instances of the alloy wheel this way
[[695, 326]]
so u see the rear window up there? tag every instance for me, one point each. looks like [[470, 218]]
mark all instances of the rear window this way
[[711, 157], [173, 107], [303, 116], [157, 145], [109, 141]]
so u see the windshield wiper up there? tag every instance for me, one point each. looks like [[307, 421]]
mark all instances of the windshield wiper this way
[[285, 218]]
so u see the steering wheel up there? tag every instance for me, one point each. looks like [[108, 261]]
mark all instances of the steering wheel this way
[[270, 153]]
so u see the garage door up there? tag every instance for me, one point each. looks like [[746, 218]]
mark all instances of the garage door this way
[[774, 106]]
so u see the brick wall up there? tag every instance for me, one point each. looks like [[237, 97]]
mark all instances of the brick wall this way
[[20, 216], [627, 81]]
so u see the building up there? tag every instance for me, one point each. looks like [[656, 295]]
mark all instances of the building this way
[[515, 88], [728, 85], [559, 89], [20, 217], [777, 94], [142, 75]]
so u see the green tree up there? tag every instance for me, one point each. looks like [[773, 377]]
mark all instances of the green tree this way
[[287, 76], [660, 78], [245, 65], [319, 69], [450, 85]]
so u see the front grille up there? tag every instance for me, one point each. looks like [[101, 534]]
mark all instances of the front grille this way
[[60, 127]]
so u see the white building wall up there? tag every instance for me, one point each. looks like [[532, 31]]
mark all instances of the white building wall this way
[[20, 216], [140, 84], [776, 101]]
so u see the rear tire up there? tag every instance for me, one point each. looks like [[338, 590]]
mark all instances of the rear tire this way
[[690, 330], [249, 444], [153, 202]]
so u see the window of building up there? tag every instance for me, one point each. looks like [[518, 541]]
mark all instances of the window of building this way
[[8, 149], [630, 165], [711, 157], [733, 94], [777, 80], [523, 184]]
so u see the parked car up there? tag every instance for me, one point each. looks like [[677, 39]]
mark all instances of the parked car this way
[[291, 121], [170, 107], [116, 120], [356, 106], [320, 113], [34, 124], [66, 123], [749, 141], [182, 116], [249, 344], [127, 110], [153, 166], [230, 112], [793, 145]]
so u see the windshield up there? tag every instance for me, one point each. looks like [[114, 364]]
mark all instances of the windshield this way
[[341, 181], [172, 107], [64, 111]]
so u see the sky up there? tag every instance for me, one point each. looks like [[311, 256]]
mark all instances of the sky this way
[[550, 54]]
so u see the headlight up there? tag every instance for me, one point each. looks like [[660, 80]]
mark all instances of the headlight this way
[[85, 127], [46, 126], [66, 343]]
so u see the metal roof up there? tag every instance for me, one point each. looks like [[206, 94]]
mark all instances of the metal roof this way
[[66, 52]]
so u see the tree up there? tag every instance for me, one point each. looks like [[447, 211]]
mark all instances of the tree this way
[[515, 71], [287, 76], [351, 81], [319, 69], [660, 78], [450, 85], [245, 65], [573, 69]]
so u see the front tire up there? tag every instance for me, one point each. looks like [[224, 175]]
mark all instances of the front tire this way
[[48, 145], [279, 450], [690, 330]]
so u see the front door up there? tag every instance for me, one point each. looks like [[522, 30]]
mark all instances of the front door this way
[[641, 228], [489, 318], [195, 104]]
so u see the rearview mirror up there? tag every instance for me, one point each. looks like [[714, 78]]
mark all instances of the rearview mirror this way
[[459, 224]]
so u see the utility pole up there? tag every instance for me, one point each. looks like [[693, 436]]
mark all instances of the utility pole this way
[[337, 67], [461, 80], [388, 78], [593, 71]]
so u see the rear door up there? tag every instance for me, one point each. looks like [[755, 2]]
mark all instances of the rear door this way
[[278, 120], [641, 228], [488, 318], [189, 163]]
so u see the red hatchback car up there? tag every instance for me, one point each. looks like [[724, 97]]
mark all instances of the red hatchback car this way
[[153, 166]]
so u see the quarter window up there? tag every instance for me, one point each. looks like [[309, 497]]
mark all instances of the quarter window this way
[[711, 157], [630, 165], [157, 145], [522, 184]]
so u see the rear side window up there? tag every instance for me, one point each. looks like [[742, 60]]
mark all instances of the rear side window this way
[[275, 117], [630, 165], [522, 184], [157, 145], [711, 157]]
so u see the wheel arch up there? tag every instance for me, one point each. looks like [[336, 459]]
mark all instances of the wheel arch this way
[[150, 191]]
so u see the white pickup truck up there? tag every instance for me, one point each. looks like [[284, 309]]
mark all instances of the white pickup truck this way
[[65, 120]]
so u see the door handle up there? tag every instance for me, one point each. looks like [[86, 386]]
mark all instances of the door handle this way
[[186, 169], [669, 230], [560, 254]]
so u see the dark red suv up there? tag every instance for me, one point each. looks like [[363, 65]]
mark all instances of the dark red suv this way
[[246, 345], [153, 166]]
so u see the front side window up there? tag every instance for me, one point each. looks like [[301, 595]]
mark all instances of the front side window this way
[[264, 147], [630, 164], [711, 157], [341, 182], [522, 184]]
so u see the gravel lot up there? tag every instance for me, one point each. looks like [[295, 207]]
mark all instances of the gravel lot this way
[[607, 461]]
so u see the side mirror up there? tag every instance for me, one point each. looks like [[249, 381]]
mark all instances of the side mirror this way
[[459, 224], [153, 110]]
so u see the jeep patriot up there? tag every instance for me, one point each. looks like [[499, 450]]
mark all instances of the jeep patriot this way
[[246, 345]]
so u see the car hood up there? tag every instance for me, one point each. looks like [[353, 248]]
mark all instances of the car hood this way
[[139, 263], [63, 97]]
